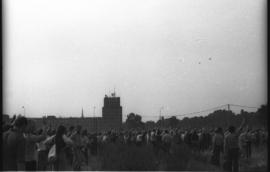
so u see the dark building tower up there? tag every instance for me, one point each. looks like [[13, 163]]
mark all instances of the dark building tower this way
[[112, 112]]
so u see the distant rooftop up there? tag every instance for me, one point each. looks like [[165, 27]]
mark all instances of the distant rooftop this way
[[112, 95]]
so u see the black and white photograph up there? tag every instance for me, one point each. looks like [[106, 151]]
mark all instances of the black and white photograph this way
[[134, 85]]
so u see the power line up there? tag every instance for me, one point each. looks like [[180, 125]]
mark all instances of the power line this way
[[244, 106], [197, 112], [206, 110]]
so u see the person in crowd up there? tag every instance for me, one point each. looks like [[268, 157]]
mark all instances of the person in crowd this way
[[167, 141], [42, 152], [183, 136], [14, 146], [158, 144], [53, 131], [61, 142], [133, 137], [70, 150], [30, 146], [152, 137], [139, 139], [243, 143], [121, 138], [49, 131], [177, 137], [209, 139], [105, 137], [218, 142], [125, 137], [248, 143], [99, 137], [77, 154], [147, 137], [144, 137], [85, 144], [195, 140], [113, 137], [231, 146], [129, 138], [187, 138], [257, 136], [70, 131], [264, 137], [245, 140], [204, 140]]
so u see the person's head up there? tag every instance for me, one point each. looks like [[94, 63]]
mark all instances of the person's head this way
[[71, 128], [231, 129], [53, 131], [203, 130], [59, 141], [20, 123], [49, 132], [219, 130], [40, 131], [78, 129], [61, 130]]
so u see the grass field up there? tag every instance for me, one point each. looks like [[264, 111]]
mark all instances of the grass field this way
[[118, 157]]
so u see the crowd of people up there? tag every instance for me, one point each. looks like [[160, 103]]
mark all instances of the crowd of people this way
[[26, 147]]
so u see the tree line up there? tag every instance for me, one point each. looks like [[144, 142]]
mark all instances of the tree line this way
[[218, 118]]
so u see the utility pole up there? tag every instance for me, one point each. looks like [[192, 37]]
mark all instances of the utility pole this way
[[227, 123], [82, 116], [95, 122]]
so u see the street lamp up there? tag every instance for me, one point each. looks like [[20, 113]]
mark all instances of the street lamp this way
[[94, 110], [23, 111], [161, 122], [160, 111]]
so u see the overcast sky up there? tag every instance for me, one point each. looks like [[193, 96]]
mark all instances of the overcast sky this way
[[186, 55]]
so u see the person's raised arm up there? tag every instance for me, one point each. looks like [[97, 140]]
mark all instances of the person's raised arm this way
[[49, 140], [67, 140], [36, 138], [238, 131]]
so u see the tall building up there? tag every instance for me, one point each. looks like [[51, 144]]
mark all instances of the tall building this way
[[111, 118], [112, 113]]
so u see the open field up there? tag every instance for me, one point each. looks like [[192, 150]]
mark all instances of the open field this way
[[115, 157]]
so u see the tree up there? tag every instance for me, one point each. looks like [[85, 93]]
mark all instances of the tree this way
[[262, 114], [172, 122], [150, 124], [134, 121]]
